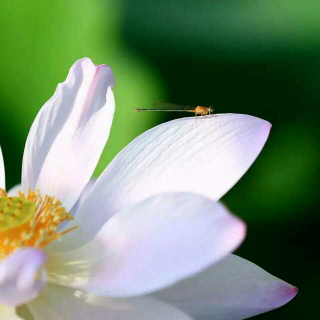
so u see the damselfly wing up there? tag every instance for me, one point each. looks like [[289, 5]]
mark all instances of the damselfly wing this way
[[170, 107]]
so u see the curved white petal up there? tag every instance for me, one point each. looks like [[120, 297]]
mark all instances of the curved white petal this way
[[233, 289], [2, 172], [13, 192], [207, 156], [18, 283], [83, 196], [56, 245], [69, 133], [61, 303], [149, 246], [8, 313]]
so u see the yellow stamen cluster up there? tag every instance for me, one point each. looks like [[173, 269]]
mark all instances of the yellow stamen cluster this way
[[29, 220]]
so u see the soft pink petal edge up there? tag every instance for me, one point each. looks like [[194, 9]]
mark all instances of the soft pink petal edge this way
[[232, 289], [69, 133], [151, 245]]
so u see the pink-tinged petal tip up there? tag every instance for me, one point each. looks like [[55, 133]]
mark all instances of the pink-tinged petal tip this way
[[284, 293], [69, 133], [234, 288]]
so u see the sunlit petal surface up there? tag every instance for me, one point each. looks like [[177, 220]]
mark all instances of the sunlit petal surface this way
[[57, 302], [83, 196], [233, 289], [18, 283], [150, 245], [205, 156], [69, 133]]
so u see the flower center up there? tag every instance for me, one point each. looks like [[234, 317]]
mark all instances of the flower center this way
[[29, 221]]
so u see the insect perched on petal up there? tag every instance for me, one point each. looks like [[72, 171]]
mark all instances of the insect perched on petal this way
[[72, 247]]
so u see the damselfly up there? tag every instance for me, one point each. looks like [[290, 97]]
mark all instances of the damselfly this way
[[170, 107]]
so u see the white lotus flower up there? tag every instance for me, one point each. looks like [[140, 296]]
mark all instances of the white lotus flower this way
[[149, 221]]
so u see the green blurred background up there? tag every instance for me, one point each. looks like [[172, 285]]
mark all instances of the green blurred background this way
[[258, 57]]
